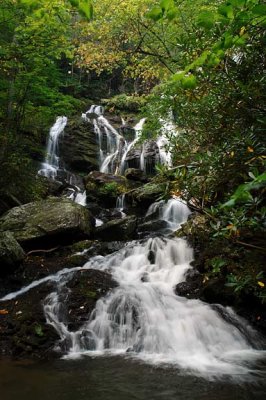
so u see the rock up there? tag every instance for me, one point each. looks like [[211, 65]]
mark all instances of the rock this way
[[50, 221], [151, 156], [11, 253], [214, 291], [78, 146], [24, 332], [192, 287], [86, 287], [99, 178], [104, 188], [128, 132], [153, 226], [196, 229], [135, 174], [145, 195], [122, 229]]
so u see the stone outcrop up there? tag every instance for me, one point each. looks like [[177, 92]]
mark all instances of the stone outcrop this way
[[121, 229], [145, 195], [135, 174], [11, 253], [54, 220], [78, 147]]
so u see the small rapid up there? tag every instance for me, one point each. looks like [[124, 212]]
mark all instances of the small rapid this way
[[143, 317]]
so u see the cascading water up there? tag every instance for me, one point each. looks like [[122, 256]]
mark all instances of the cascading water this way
[[50, 166], [144, 318], [110, 142], [174, 212], [138, 129], [121, 203]]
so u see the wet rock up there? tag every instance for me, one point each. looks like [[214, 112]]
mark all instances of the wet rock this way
[[122, 229], [145, 195], [78, 146], [47, 222], [196, 229], [128, 132], [102, 178], [153, 226], [215, 291], [135, 174], [24, 332], [104, 188], [11, 253], [192, 287], [86, 287], [151, 156]]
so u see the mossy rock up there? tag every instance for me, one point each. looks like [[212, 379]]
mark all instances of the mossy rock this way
[[146, 194], [11, 253], [47, 221]]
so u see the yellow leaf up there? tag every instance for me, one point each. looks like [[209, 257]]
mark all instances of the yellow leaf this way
[[232, 153], [250, 149], [242, 31], [261, 284]]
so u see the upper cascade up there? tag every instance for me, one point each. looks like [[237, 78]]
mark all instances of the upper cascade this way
[[116, 153], [51, 164]]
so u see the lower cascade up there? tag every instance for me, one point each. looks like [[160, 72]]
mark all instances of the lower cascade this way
[[144, 318]]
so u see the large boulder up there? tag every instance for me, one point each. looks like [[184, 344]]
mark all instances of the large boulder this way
[[121, 229], [100, 178], [145, 195], [11, 253], [78, 146], [47, 221], [135, 174]]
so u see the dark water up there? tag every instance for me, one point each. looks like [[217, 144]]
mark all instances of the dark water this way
[[114, 378]]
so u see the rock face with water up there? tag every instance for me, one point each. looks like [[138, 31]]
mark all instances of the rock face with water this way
[[78, 146], [11, 253], [48, 221]]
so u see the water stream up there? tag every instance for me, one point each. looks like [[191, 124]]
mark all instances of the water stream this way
[[142, 325], [144, 319]]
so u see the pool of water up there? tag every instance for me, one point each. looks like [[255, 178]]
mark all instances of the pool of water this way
[[115, 378]]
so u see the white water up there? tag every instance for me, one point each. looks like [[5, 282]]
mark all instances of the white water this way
[[51, 164], [138, 129], [121, 204], [145, 319], [109, 149], [174, 212]]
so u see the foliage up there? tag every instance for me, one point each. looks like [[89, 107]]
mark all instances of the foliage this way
[[248, 283], [123, 102]]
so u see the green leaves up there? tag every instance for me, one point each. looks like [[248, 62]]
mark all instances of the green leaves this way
[[85, 9], [186, 81], [206, 19], [155, 13], [166, 9], [242, 193]]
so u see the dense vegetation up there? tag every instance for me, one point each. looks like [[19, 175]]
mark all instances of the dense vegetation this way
[[199, 64]]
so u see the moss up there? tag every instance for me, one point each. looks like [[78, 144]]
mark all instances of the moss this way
[[81, 246], [90, 294]]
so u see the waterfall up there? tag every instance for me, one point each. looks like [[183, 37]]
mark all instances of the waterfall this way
[[144, 318], [50, 166], [110, 142], [138, 129], [121, 204], [174, 212]]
